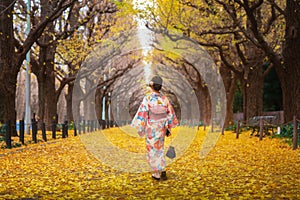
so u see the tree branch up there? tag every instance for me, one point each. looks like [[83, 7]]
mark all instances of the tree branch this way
[[37, 32], [273, 3], [271, 20], [267, 71], [63, 83], [256, 5]]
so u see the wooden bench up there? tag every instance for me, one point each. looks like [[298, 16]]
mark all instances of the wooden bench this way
[[269, 123]]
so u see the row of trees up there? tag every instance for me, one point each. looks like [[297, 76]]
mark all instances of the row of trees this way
[[247, 39], [62, 34]]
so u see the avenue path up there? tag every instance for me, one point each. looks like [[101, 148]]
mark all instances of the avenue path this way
[[243, 168]]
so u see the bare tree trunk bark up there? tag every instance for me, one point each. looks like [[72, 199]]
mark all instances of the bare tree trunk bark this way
[[230, 84], [98, 103], [106, 109], [45, 74], [229, 119], [205, 105], [8, 64], [47, 98], [253, 93], [253, 80], [76, 95], [46, 84], [89, 103], [289, 75], [68, 98], [9, 103]]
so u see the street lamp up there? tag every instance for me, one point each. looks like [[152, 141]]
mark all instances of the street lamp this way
[[28, 74]]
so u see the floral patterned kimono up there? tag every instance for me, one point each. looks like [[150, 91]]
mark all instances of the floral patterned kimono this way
[[153, 117]]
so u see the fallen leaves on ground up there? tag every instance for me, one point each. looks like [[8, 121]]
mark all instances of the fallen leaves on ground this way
[[243, 168]]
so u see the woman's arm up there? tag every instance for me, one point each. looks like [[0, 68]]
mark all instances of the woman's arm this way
[[172, 120], [140, 119]]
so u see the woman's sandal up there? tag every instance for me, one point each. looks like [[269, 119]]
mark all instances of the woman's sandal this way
[[155, 178], [163, 175]]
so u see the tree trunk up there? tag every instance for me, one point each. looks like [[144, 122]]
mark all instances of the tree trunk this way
[[76, 111], [46, 85], [20, 95], [253, 77], [230, 84], [45, 74], [289, 75], [9, 88], [89, 102], [2, 106], [177, 109], [68, 98], [98, 103], [204, 104], [47, 97], [8, 65], [76, 96], [229, 118], [253, 93], [106, 109]]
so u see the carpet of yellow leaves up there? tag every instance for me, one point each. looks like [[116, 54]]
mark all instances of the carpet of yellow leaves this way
[[243, 168]]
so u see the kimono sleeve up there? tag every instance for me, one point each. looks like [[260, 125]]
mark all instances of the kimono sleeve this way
[[140, 119], [172, 120]]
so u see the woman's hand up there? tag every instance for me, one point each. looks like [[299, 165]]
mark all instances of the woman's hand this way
[[168, 133], [141, 133]]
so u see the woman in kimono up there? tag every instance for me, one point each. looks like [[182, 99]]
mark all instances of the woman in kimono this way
[[154, 116]]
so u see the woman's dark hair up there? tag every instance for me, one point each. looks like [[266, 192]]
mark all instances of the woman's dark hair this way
[[156, 87], [156, 83]]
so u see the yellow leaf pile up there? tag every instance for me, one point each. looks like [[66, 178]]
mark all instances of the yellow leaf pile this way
[[243, 168]]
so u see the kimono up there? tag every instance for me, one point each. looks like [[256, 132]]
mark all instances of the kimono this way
[[153, 117]]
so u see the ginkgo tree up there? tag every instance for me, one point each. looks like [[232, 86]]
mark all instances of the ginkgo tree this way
[[114, 30], [13, 51], [228, 31], [52, 23], [72, 52], [82, 15], [192, 75], [176, 16]]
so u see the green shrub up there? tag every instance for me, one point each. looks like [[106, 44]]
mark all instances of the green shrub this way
[[286, 132]]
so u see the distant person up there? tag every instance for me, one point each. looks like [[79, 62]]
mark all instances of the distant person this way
[[154, 117]]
